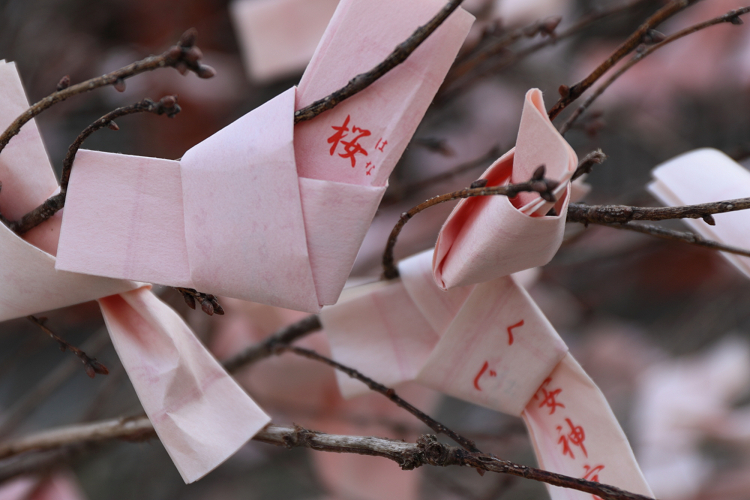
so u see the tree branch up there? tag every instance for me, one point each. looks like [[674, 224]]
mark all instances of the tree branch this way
[[167, 105], [537, 184], [733, 17], [683, 236], [570, 94], [269, 346], [426, 451], [508, 58], [364, 80], [91, 365], [430, 422], [183, 56], [608, 214]]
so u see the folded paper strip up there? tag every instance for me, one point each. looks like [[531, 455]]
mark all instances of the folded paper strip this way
[[199, 412], [491, 236], [264, 210], [488, 344], [484, 340], [707, 176]]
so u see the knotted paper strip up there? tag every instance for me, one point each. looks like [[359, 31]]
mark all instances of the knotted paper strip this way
[[491, 236], [498, 350], [201, 415], [31, 284], [278, 37], [193, 404], [706, 176], [238, 216]]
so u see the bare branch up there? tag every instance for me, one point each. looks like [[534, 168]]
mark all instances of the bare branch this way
[[608, 214], [587, 163], [364, 80], [685, 237], [387, 392], [209, 303], [508, 58], [167, 105], [537, 184], [730, 17], [268, 347], [426, 451], [570, 94], [183, 56], [91, 365]]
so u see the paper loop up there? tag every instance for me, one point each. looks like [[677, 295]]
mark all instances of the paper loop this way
[[487, 237]]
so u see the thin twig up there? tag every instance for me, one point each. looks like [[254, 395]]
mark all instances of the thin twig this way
[[167, 105], [364, 80], [537, 184], [682, 236], [509, 58], [209, 303], [587, 163], [267, 347], [570, 94], [389, 393], [183, 56], [426, 451], [608, 214], [483, 160], [91, 364], [732, 17], [17, 413], [499, 45]]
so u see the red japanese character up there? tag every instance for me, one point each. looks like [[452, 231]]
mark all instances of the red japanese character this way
[[576, 437], [341, 132], [369, 168], [486, 365], [510, 333], [381, 144], [352, 147], [549, 398], [566, 447], [592, 474]]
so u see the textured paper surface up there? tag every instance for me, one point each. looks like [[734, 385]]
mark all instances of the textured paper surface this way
[[575, 433], [361, 140], [495, 349], [258, 226], [198, 411], [491, 236], [278, 37], [706, 176], [31, 284]]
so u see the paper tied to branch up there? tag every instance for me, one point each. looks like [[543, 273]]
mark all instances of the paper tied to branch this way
[[707, 176], [486, 237], [263, 210], [491, 345], [199, 412]]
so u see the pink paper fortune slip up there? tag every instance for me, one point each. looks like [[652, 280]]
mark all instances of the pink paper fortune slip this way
[[485, 340], [491, 236], [706, 176], [199, 412], [488, 344], [238, 216]]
